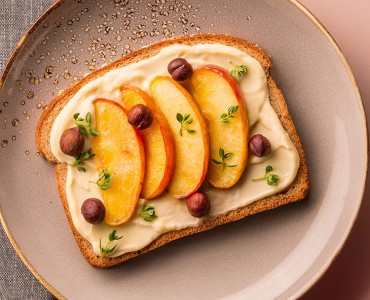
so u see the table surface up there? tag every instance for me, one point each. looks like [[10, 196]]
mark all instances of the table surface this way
[[348, 22]]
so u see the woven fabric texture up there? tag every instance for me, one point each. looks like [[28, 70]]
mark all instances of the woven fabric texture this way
[[16, 281]]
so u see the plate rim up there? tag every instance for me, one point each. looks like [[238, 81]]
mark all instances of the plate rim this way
[[319, 274], [355, 214]]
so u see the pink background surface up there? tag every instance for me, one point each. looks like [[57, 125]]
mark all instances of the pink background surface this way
[[349, 23]]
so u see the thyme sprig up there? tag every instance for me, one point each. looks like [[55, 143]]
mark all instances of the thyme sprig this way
[[148, 213], [271, 179], [79, 159], [230, 114], [107, 250], [223, 157], [238, 71], [185, 121], [104, 180], [85, 124]]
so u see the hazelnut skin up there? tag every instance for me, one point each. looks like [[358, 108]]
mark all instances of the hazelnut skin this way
[[198, 204], [180, 69], [93, 211], [140, 116], [72, 141], [259, 145]]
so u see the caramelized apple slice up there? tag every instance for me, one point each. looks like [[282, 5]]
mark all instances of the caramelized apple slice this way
[[189, 132], [223, 106], [158, 144], [118, 149]]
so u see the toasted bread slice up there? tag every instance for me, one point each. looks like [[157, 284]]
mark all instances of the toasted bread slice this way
[[297, 191]]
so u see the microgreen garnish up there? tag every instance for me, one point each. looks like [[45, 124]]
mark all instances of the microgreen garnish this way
[[238, 70], [104, 180], [85, 124], [107, 250], [230, 114], [223, 156], [272, 179], [79, 159], [147, 213], [185, 121]]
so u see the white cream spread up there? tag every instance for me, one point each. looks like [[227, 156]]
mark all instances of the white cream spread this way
[[173, 214]]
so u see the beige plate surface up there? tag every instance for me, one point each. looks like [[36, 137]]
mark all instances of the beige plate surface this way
[[276, 254]]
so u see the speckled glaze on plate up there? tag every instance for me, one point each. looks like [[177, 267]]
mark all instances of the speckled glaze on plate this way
[[275, 254]]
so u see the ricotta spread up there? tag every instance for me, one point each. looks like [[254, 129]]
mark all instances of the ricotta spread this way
[[173, 214]]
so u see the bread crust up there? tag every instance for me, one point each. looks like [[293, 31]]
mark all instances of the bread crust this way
[[297, 191]]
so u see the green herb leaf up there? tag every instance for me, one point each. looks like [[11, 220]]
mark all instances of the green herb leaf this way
[[228, 155], [238, 70], [230, 114], [232, 110], [268, 169], [179, 117], [88, 118], [223, 157], [93, 132], [85, 124], [83, 130], [216, 161], [221, 152], [107, 250], [271, 179], [147, 213], [81, 169], [113, 237], [185, 121], [102, 174], [104, 180], [79, 159]]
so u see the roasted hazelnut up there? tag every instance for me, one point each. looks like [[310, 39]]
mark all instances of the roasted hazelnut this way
[[72, 141], [198, 204], [259, 145], [180, 69], [93, 211], [140, 116]]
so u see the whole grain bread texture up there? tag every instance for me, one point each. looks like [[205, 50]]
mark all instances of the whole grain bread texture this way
[[297, 191]]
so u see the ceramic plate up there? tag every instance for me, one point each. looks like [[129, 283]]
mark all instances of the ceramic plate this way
[[275, 254]]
